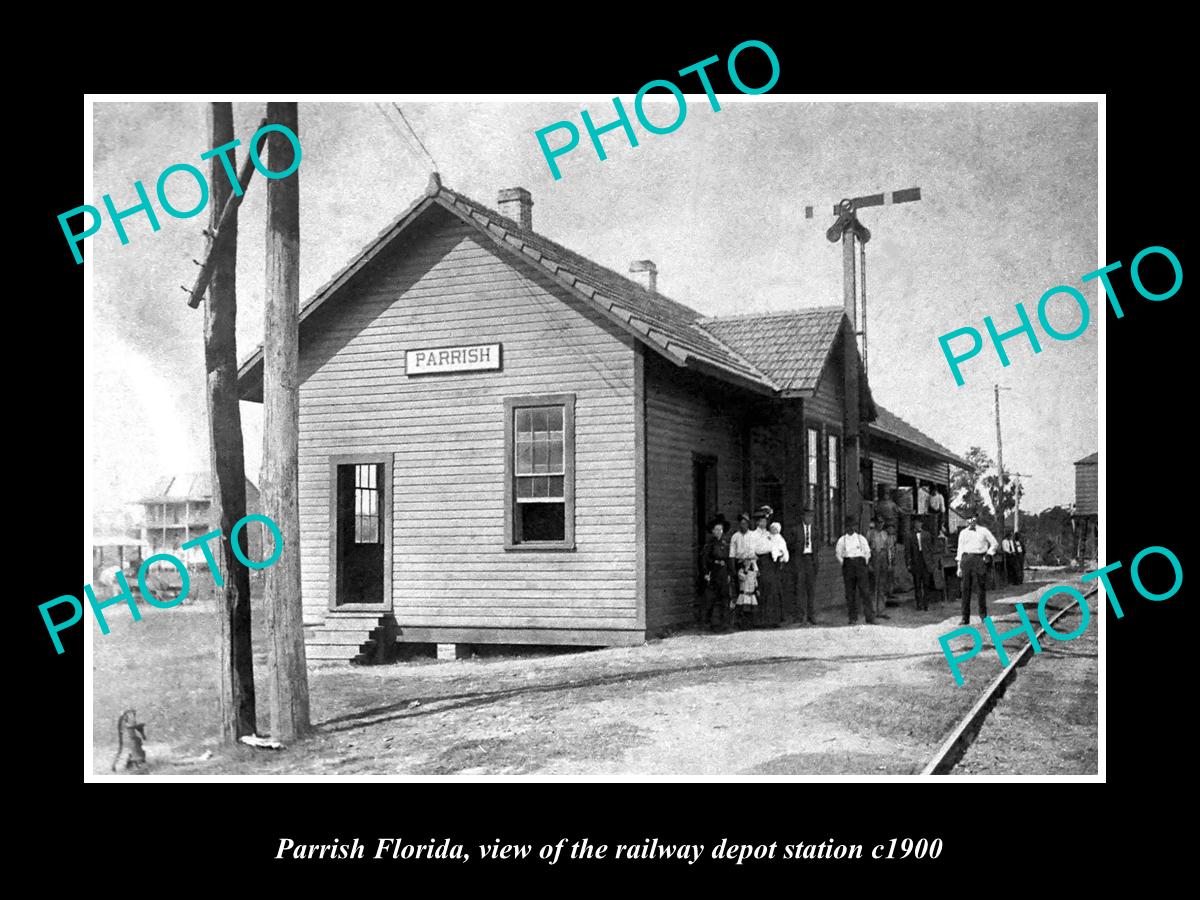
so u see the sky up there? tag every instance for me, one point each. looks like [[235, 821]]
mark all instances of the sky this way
[[1008, 210]]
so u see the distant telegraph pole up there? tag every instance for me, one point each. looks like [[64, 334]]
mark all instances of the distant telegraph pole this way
[[998, 497], [281, 451]]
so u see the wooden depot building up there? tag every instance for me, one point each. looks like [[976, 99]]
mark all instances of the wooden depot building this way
[[504, 442]]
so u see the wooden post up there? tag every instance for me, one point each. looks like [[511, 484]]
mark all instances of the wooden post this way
[[226, 459], [281, 450], [998, 494], [792, 417], [851, 476]]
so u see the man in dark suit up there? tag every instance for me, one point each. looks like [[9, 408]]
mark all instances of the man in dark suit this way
[[805, 555], [920, 557]]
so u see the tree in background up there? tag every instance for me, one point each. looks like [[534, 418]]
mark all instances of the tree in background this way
[[980, 487]]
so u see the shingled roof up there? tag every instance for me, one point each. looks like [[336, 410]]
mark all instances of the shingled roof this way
[[185, 486], [789, 348], [889, 425], [1089, 460], [666, 326]]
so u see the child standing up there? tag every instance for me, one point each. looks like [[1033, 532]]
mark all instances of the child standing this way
[[747, 601]]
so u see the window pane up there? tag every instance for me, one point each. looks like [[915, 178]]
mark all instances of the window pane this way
[[542, 521], [523, 421], [556, 487], [524, 487], [813, 441], [539, 419], [541, 456], [555, 418], [524, 458], [556, 456]]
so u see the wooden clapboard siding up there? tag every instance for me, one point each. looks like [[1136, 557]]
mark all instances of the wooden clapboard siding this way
[[922, 469], [890, 458], [827, 401], [883, 466], [686, 414], [1087, 488], [441, 284]]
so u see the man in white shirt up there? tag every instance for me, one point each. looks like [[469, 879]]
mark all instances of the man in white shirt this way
[[806, 567], [937, 506], [739, 548], [975, 543], [853, 553], [1008, 557], [922, 499]]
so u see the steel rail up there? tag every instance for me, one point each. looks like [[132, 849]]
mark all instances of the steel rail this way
[[953, 748]]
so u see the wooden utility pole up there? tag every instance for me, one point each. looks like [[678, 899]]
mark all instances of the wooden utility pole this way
[[281, 448], [855, 440], [998, 497], [851, 474], [226, 462]]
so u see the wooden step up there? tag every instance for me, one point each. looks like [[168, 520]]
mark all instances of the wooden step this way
[[330, 652], [341, 638], [349, 626]]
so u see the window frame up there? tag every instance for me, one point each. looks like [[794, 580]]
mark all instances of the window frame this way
[[376, 492], [511, 405], [834, 495], [812, 455]]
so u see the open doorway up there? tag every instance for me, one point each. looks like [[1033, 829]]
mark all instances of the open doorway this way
[[704, 502], [362, 532]]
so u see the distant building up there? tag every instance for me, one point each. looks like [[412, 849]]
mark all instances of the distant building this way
[[116, 539], [179, 508], [1086, 517]]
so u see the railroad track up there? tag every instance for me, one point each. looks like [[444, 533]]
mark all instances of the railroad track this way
[[963, 734]]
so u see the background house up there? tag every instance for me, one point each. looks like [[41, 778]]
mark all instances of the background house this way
[[179, 508]]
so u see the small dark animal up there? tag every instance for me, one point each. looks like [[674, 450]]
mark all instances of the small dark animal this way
[[130, 734]]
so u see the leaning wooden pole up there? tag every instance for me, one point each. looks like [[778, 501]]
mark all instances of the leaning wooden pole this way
[[226, 462], [281, 451]]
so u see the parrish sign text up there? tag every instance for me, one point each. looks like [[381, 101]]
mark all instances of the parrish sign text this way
[[476, 358]]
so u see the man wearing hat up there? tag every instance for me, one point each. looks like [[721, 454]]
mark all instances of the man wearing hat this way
[[975, 545], [853, 553], [806, 568]]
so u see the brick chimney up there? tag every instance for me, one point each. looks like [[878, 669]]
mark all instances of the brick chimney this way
[[517, 204], [647, 274]]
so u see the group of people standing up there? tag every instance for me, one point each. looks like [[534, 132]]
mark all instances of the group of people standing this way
[[744, 573]]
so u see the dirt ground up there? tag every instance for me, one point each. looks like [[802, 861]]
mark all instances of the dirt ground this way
[[799, 700], [1045, 724]]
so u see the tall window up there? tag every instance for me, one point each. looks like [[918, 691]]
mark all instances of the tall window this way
[[366, 504], [833, 507], [768, 487], [540, 472], [814, 473]]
